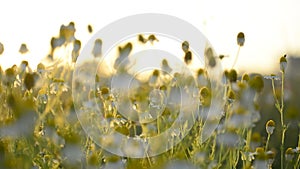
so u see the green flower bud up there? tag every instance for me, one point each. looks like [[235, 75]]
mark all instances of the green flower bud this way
[[205, 96], [232, 76], [29, 81], [270, 126], [283, 63], [245, 77], [188, 57], [1, 48], [231, 95], [241, 39], [260, 153], [257, 83], [289, 154], [185, 46], [90, 28]]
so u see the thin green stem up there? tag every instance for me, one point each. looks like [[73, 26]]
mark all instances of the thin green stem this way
[[267, 144], [236, 57], [274, 93], [297, 164], [213, 148], [282, 122]]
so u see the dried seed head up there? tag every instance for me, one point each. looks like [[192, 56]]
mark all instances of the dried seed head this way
[[270, 126], [241, 39]]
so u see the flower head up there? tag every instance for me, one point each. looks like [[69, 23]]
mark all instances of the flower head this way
[[185, 46], [257, 83], [260, 153], [270, 126], [188, 57], [245, 77], [272, 77], [241, 39], [90, 28], [289, 154], [283, 63], [23, 48]]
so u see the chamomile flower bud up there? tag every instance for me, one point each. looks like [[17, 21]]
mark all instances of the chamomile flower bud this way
[[10, 76], [40, 68], [289, 154], [270, 126], [29, 81], [232, 76], [270, 157], [104, 93], [1, 48], [245, 77], [76, 49], [283, 63], [90, 28], [23, 48], [200, 72], [231, 96], [188, 57], [241, 39], [210, 57], [212, 61], [142, 39], [205, 96], [165, 66], [297, 150], [153, 80], [257, 83], [152, 38], [104, 90], [255, 140], [185, 46], [260, 153], [97, 49]]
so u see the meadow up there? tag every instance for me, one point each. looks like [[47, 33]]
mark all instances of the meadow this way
[[39, 126]]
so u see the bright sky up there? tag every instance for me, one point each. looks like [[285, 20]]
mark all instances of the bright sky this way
[[271, 27]]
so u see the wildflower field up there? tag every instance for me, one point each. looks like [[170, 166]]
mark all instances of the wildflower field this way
[[50, 118]]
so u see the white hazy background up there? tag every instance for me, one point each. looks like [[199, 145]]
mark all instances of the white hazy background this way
[[271, 27]]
